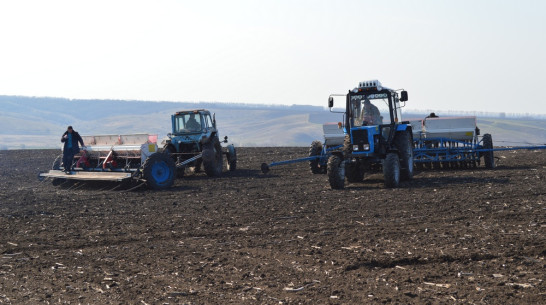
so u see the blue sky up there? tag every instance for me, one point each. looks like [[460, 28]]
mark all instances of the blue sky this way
[[449, 55]]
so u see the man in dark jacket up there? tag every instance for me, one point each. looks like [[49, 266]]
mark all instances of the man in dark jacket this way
[[70, 138]]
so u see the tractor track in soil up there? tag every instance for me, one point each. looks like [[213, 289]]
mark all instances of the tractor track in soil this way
[[453, 236]]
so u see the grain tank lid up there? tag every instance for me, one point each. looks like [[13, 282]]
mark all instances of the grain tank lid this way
[[451, 117], [450, 122]]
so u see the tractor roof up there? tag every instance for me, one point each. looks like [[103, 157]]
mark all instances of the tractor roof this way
[[191, 111], [370, 85]]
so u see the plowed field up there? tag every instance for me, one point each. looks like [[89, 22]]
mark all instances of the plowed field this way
[[471, 236]]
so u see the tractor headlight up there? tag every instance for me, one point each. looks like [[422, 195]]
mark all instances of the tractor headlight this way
[[355, 147], [366, 147]]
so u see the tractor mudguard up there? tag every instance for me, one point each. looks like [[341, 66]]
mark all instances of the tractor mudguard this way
[[206, 138]]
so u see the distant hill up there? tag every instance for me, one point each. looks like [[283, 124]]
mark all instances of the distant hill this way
[[27, 122], [36, 122]]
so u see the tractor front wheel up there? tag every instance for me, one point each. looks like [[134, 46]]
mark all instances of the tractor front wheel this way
[[159, 171], [404, 144], [391, 170], [336, 172]]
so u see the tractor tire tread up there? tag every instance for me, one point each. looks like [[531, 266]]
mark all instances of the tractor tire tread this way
[[336, 172]]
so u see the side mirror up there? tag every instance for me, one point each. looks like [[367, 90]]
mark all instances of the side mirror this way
[[403, 96], [330, 102]]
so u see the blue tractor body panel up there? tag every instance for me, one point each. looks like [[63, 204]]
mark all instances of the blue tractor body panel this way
[[402, 127], [363, 138]]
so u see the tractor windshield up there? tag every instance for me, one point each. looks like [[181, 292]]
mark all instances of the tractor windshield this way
[[369, 109], [188, 122]]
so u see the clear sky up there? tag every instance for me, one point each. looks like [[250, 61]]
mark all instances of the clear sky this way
[[449, 55]]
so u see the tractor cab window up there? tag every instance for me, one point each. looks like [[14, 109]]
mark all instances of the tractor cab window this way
[[370, 109], [208, 121], [188, 122]]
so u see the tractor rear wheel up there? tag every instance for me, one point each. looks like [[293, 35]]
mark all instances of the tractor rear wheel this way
[[488, 156], [404, 144], [391, 170], [316, 150], [212, 157], [231, 158], [159, 171], [336, 172]]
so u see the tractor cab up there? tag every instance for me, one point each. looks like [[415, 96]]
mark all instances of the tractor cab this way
[[192, 122], [190, 129], [372, 116]]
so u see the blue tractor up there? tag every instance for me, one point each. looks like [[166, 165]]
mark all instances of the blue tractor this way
[[376, 138], [194, 141]]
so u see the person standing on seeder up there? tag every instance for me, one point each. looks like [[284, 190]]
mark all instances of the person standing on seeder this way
[[71, 139]]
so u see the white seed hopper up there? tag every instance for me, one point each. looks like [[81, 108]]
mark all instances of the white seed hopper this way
[[456, 128], [333, 135]]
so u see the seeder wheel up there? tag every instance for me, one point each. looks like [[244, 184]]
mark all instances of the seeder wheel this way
[[159, 171]]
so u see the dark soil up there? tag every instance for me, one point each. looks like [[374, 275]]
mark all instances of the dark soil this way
[[472, 236]]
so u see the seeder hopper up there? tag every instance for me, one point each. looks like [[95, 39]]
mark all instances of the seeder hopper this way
[[450, 142], [454, 142]]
